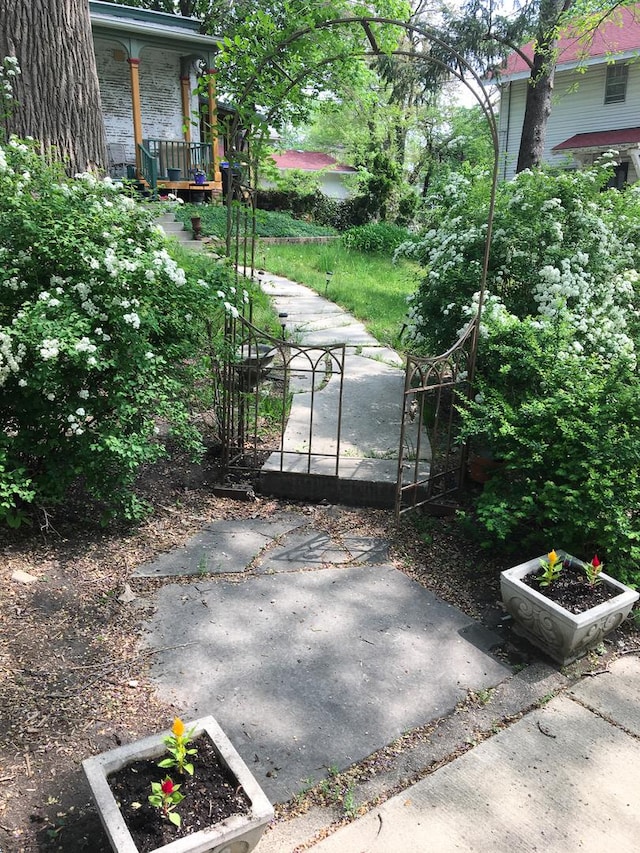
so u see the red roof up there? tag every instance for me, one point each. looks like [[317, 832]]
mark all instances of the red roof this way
[[620, 33], [310, 161], [601, 139]]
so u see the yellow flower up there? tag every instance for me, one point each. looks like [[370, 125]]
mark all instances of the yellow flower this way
[[552, 557], [178, 727]]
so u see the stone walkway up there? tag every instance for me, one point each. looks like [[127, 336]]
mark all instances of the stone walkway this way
[[311, 650]]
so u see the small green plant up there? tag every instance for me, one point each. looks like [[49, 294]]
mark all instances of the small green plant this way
[[593, 570], [551, 566], [166, 796], [349, 805], [380, 237], [176, 744]]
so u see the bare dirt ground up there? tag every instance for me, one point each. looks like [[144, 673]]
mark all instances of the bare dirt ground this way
[[73, 681]]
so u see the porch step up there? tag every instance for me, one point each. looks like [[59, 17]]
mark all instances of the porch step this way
[[177, 230]]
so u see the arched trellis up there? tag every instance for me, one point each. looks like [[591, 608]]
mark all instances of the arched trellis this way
[[442, 375]]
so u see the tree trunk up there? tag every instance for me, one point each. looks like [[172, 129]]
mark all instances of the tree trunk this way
[[57, 93], [540, 86]]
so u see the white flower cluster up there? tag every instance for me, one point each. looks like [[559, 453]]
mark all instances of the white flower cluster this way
[[85, 345], [494, 313], [9, 70], [596, 310], [9, 360], [162, 261], [77, 421], [49, 348], [133, 319]]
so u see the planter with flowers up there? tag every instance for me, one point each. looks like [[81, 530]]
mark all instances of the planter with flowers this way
[[184, 791], [199, 177], [564, 606]]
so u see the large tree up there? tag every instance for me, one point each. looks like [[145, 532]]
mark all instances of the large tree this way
[[57, 96]]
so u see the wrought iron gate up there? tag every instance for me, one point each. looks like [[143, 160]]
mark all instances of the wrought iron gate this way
[[432, 389], [261, 381]]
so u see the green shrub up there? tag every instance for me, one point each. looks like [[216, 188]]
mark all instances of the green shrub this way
[[557, 374], [566, 424], [101, 334], [268, 223], [379, 237]]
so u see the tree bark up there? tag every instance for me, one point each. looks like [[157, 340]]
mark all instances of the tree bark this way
[[57, 93], [540, 86]]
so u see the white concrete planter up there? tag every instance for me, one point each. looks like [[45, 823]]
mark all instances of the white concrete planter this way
[[237, 834], [564, 636]]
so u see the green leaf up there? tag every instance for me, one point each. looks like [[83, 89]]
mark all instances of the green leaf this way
[[175, 818]]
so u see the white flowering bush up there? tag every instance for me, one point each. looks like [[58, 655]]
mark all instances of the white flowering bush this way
[[558, 390], [101, 333], [562, 249]]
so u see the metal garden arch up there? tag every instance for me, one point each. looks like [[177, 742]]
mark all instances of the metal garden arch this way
[[431, 384]]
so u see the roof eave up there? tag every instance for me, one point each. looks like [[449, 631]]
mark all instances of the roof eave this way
[[600, 59], [104, 24]]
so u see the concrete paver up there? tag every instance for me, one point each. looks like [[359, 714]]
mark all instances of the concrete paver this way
[[562, 779], [616, 697], [314, 668], [221, 547]]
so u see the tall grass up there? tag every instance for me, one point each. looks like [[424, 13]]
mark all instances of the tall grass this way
[[371, 287]]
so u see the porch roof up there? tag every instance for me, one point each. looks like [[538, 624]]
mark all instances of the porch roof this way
[[626, 137], [149, 26]]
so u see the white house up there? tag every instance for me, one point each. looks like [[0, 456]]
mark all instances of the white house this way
[[332, 175], [596, 100], [148, 68]]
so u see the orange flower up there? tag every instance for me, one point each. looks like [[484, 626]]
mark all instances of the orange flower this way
[[552, 557], [178, 727]]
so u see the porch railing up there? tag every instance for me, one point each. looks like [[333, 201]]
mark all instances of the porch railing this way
[[148, 167], [178, 154]]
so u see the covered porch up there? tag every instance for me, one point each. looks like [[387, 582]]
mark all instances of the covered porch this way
[[157, 85]]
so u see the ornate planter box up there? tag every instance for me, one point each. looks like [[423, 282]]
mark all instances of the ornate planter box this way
[[237, 834], [564, 636]]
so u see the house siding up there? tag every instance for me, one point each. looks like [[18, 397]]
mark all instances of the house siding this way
[[578, 107], [160, 96], [115, 93], [160, 103]]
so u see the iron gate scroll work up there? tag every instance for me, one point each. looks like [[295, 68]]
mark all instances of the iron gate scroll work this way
[[259, 377], [433, 388]]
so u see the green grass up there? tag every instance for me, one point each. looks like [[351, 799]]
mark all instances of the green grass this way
[[370, 287], [268, 224], [201, 266]]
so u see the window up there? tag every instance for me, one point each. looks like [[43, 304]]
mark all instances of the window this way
[[616, 86]]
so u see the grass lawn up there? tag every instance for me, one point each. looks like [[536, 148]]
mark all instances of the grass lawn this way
[[268, 223], [369, 286]]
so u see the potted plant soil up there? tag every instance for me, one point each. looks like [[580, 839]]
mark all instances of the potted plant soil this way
[[564, 606], [184, 791]]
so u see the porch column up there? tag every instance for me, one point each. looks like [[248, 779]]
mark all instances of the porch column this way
[[213, 123], [185, 91], [134, 69]]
